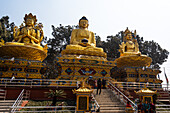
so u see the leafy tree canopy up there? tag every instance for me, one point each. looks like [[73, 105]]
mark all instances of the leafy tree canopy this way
[[6, 29]]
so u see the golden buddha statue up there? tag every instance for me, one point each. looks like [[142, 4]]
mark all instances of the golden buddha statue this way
[[82, 38], [2, 42], [129, 45], [129, 52], [30, 33], [26, 42]]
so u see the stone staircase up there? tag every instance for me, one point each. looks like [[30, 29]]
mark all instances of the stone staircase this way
[[163, 97], [108, 102], [5, 105]]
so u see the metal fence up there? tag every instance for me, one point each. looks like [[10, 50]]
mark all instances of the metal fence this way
[[45, 109], [139, 85], [38, 83], [17, 102]]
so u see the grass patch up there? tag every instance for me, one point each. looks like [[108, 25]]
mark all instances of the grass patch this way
[[47, 103]]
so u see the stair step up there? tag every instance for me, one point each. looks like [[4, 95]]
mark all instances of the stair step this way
[[115, 105], [112, 108], [112, 111], [7, 101], [109, 103]]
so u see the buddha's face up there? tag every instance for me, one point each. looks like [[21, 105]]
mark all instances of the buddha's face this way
[[26, 40], [29, 22], [83, 24], [129, 36]]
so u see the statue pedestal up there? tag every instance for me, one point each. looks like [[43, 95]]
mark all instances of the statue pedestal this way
[[23, 51], [81, 68]]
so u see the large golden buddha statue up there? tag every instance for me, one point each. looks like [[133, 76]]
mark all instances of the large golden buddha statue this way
[[82, 38], [129, 45], [30, 33], [83, 42], [26, 42]]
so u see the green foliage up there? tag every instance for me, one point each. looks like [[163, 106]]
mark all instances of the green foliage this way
[[61, 38], [55, 95], [153, 50], [6, 29]]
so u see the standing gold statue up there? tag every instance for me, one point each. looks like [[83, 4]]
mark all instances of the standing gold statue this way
[[82, 38], [129, 45], [30, 33]]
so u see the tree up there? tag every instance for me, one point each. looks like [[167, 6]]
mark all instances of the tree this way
[[153, 50], [61, 38], [6, 29], [55, 95], [111, 45]]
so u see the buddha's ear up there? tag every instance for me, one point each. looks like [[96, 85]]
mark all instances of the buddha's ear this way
[[87, 25], [79, 24]]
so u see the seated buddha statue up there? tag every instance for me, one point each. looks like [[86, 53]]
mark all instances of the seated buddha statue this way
[[129, 45], [30, 33], [82, 38]]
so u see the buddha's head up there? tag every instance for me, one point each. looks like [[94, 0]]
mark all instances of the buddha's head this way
[[128, 34], [30, 20], [83, 22]]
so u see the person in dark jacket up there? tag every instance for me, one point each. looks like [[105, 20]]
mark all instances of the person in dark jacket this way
[[140, 107], [152, 107], [146, 107], [104, 83], [99, 83]]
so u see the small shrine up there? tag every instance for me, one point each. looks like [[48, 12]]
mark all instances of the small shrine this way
[[83, 97], [146, 94], [22, 58]]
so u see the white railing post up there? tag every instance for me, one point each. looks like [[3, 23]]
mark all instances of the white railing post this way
[[17, 102], [124, 97], [31, 83]]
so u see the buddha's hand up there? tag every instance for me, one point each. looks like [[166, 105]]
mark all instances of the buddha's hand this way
[[92, 44], [83, 44]]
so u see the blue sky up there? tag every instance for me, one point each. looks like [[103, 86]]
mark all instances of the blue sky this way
[[151, 18]]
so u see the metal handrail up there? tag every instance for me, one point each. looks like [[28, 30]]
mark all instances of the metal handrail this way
[[47, 108], [125, 98], [74, 83], [17, 102], [98, 106], [38, 82]]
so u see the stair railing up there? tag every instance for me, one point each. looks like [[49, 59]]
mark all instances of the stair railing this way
[[17, 102], [123, 98], [96, 103]]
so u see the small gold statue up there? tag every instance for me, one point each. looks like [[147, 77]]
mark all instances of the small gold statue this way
[[2, 42], [30, 33], [129, 45], [82, 38]]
